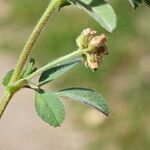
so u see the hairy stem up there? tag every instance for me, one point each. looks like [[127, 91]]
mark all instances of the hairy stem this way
[[4, 102], [55, 4]]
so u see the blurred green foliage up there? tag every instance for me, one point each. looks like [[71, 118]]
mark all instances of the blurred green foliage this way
[[124, 77]]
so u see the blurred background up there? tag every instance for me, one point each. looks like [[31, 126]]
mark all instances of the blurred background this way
[[123, 79]]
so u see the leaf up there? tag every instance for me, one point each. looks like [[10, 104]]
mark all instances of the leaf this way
[[57, 71], [86, 96], [101, 11], [49, 108], [29, 68], [7, 77], [147, 2], [135, 3]]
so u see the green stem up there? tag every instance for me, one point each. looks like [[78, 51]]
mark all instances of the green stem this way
[[55, 4], [4, 102], [8, 95]]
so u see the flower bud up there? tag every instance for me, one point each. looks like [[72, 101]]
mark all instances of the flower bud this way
[[98, 49], [88, 31], [98, 41], [85, 37], [95, 45]]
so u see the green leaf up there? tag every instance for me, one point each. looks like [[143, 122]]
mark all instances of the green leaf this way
[[7, 77], [49, 108], [101, 11], [86, 96], [29, 68], [57, 71], [147, 2], [135, 3]]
